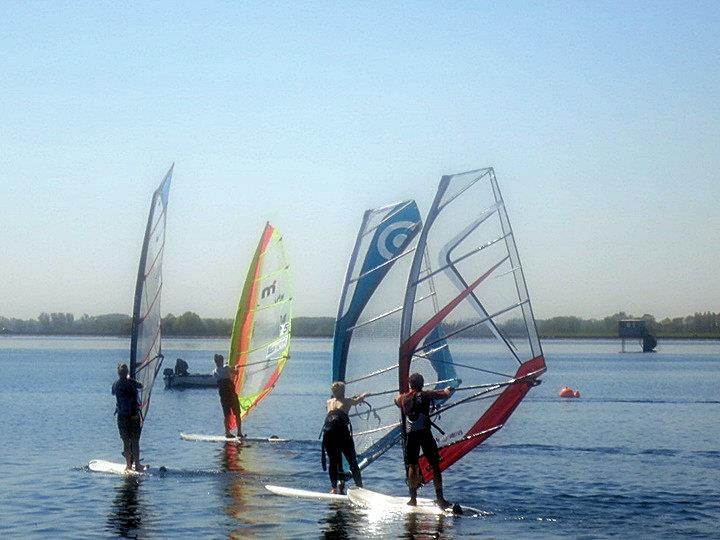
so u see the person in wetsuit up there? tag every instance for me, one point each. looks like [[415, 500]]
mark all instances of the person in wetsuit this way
[[416, 404], [128, 415], [337, 436], [229, 401]]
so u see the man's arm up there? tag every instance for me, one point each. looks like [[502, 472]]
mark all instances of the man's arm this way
[[440, 394], [359, 398]]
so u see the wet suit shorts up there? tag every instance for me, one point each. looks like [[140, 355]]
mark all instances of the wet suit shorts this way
[[129, 426], [228, 397], [424, 439]]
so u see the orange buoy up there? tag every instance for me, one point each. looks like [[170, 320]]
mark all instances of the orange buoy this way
[[576, 393], [567, 392]]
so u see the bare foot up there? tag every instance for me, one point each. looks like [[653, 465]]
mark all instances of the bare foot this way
[[412, 502]]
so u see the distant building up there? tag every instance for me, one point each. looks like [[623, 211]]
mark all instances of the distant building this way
[[636, 329]]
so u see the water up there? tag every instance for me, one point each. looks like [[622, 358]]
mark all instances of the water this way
[[637, 456]]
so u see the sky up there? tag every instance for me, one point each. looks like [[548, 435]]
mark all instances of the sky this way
[[601, 119]]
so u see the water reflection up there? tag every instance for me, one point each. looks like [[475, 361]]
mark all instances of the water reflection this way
[[230, 459], [126, 517], [424, 526], [339, 523], [234, 486]]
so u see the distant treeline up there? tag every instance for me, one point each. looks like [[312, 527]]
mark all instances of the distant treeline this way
[[699, 325]]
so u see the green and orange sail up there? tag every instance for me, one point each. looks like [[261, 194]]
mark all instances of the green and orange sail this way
[[260, 342]]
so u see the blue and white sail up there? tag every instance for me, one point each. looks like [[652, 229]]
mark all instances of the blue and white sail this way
[[145, 342], [367, 327]]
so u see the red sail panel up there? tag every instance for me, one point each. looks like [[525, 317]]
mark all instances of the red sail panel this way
[[409, 346], [493, 419]]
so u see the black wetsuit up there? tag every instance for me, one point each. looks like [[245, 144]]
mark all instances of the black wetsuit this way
[[337, 441], [416, 406], [128, 415]]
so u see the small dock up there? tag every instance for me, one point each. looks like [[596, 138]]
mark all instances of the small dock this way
[[636, 329]]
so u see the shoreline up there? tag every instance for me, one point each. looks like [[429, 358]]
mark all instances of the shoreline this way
[[307, 336]]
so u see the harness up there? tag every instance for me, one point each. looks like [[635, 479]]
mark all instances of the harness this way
[[417, 412]]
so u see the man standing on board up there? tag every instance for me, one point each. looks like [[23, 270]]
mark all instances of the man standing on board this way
[[415, 404], [224, 377], [128, 415], [336, 437]]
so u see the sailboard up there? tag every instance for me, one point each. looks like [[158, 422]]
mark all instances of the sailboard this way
[[260, 341], [367, 326], [398, 505], [145, 338], [304, 493], [481, 308], [195, 437], [109, 467]]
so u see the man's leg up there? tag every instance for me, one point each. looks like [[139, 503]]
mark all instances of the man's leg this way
[[414, 479], [334, 461], [226, 408], [135, 444], [125, 438], [349, 451], [127, 452], [414, 482], [236, 410], [430, 450]]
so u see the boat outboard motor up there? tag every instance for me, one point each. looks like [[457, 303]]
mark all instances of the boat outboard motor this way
[[181, 367]]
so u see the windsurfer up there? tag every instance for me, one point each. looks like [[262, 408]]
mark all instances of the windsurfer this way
[[128, 415], [337, 436], [416, 405], [224, 376]]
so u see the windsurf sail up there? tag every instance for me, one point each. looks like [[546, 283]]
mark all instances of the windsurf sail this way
[[368, 324], [260, 342], [482, 313], [145, 340]]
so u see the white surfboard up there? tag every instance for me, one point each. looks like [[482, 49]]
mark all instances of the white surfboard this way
[[222, 438], [304, 494], [103, 466], [398, 505]]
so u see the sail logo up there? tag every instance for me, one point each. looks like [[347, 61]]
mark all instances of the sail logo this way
[[284, 323], [393, 237], [267, 291], [275, 350], [448, 437]]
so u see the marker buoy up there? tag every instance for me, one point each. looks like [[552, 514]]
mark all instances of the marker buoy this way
[[567, 392]]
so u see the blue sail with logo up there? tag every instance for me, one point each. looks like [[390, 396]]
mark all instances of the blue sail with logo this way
[[368, 325]]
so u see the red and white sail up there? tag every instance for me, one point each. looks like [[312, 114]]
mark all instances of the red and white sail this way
[[481, 308]]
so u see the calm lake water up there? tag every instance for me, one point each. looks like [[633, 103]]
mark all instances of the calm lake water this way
[[637, 456]]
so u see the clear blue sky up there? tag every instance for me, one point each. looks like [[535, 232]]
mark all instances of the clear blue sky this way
[[602, 120]]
